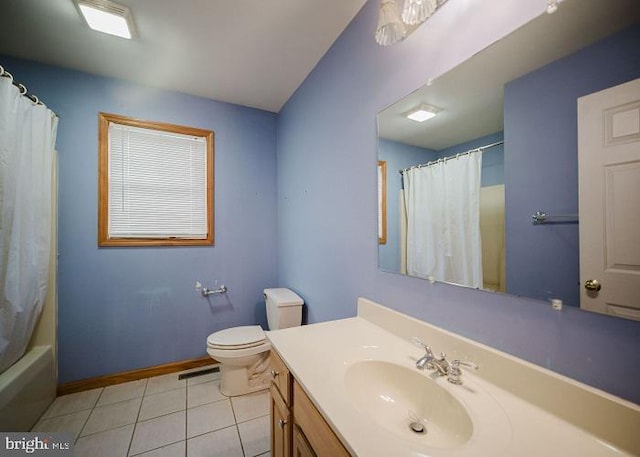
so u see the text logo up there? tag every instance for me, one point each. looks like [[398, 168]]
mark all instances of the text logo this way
[[38, 443]]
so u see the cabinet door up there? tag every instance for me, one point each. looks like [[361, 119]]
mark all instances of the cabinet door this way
[[316, 430], [301, 447], [280, 425]]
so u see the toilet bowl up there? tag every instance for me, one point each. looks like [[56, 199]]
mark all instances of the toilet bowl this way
[[243, 352]]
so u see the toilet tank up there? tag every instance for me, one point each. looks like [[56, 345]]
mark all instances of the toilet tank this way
[[284, 308]]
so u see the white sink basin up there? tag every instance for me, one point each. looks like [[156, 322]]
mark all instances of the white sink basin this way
[[395, 397]]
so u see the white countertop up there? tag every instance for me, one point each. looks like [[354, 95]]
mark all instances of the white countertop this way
[[319, 355]]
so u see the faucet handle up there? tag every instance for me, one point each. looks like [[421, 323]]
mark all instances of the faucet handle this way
[[418, 342], [457, 363], [455, 373]]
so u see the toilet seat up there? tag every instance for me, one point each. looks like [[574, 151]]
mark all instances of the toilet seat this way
[[237, 338]]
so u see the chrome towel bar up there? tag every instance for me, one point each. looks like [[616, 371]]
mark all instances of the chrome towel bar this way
[[540, 217]]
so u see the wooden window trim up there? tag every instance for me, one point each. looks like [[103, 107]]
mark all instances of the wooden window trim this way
[[104, 119]]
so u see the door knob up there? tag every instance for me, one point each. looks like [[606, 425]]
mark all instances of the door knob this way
[[593, 284]]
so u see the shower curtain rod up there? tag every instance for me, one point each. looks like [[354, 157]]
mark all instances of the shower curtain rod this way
[[22, 88], [444, 159]]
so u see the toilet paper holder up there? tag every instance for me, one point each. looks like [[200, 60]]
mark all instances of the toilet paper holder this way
[[205, 291]]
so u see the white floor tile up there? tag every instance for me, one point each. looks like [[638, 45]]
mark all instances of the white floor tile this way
[[71, 423], [122, 392], [112, 416], [111, 443], [255, 436], [158, 432], [73, 403], [201, 394], [251, 406], [148, 418], [209, 417], [173, 450], [221, 443], [163, 383], [163, 403]]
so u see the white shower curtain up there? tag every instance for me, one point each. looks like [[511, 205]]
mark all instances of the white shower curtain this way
[[442, 203], [27, 140]]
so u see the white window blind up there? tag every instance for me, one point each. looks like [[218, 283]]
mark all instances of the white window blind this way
[[157, 184]]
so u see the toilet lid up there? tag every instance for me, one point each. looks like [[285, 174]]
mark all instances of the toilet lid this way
[[237, 337]]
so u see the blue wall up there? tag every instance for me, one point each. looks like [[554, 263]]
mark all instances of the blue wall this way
[[541, 137], [327, 237], [126, 308], [398, 156]]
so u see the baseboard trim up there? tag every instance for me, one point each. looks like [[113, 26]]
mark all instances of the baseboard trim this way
[[132, 375]]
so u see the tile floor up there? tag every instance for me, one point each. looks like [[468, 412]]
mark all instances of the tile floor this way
[[163, 417]]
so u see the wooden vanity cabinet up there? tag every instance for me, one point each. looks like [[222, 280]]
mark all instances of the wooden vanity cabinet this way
[[281, 401], [281, 377], [301, 447], [297, 428], [317, 437], [281, 425]]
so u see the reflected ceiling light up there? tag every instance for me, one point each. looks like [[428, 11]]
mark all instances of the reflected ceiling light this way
[[417, 11], [422, 113], [107, 17], [390, 28]]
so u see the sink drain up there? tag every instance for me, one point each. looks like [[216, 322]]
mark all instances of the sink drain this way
[[416, 423], [417, 427]]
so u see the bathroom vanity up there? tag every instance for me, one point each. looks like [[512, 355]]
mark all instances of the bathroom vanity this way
[[297, 428], [351, 387]]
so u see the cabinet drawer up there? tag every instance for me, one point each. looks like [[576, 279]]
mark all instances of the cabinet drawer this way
[[317, 432], [281, 377]]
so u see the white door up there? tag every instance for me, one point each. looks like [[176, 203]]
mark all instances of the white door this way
[[609, 182]]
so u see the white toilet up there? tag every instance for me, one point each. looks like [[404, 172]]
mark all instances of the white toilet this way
[[243, 352]]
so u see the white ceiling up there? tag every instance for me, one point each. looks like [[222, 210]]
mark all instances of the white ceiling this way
[[249, 52], [471, 95]]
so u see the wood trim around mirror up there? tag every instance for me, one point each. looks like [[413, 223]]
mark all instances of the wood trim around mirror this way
[[382, 202]]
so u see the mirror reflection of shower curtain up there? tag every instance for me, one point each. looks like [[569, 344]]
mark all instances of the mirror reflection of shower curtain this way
[[27, 139], [442, 204]]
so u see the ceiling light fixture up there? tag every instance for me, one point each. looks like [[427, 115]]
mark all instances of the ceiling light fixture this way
[[422, 113], [390, 28], [107, 17], [417, 11]]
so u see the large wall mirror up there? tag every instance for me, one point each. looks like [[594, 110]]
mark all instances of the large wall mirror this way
[[485, 193]]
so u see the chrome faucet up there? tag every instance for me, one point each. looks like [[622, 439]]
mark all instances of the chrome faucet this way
[[441, 365], [428, 360], [455, 373]]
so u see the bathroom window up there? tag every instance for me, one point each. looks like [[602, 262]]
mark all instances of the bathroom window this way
[[155, 183]]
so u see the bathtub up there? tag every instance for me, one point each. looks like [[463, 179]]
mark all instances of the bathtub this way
[[27, 388]]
